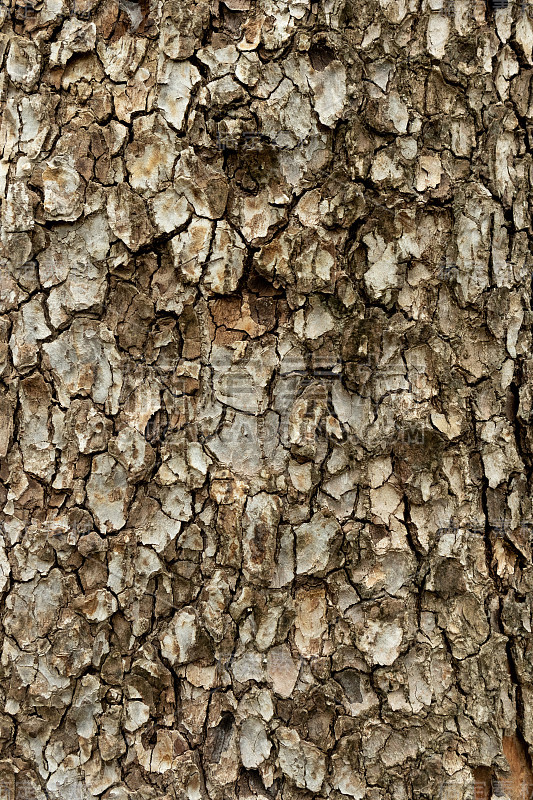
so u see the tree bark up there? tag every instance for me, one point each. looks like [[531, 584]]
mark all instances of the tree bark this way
[[265, 400]]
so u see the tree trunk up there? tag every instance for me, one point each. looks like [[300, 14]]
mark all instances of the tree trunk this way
[[265, 400]]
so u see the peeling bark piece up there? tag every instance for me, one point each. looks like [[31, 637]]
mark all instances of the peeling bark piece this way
[[220, 60], [170, 210], [134, 453], [222, 751], [137, 714], [111, 743], [329, 92], [226, 264], [63, 195], [84, 360], [237, 444], [228, 526], [132, 96], [225, 91], [242, 385], [29, 328], [301, 761], [169, 746], [140, 405], [153, 527], [260, 524], [383, 273], [100, 776], [17, 209], [108, 493], [310, 621], [90, 428], [428, 173], [97, 606], [282, 670], [23, 62], [314, 544], [472, 232], [5, 568], [128, 217], [151, 155], [69, 253], [33, 609], [254, 744], [214, 601], [385, 500], [176, 502], [190, 249], [11, 294], [38, 452], [205, 187], [75, 37], [467, 626], [181, 29], [381, 641], [256, 216], [438, 31], [183, 640], [7, 409], [304, 419], [71, 261], [176, 82], [122, 57], [300, 258], [85, 289]]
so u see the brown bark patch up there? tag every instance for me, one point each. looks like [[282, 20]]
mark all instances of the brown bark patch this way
[[518, 783]]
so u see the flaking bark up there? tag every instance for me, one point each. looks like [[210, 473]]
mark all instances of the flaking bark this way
[[265, 400]]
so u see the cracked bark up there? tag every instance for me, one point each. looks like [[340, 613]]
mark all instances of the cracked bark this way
[[265, 400]]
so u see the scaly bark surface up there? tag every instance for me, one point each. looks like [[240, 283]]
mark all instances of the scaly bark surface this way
[[265, 400]]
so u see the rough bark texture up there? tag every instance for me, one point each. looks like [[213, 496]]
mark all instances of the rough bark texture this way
[[265, 400]]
